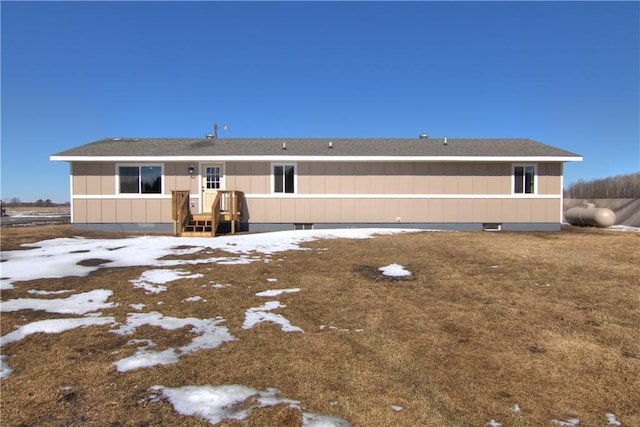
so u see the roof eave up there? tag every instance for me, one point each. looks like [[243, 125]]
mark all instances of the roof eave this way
[[299, 158]]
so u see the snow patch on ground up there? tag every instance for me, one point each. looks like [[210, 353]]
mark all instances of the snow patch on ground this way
[[218, 404], [53, 326], [276, 292], [154, 281], [256, 315], [210, 335], [612, 420], [194, 299], [145, 358], [394, 270], [5, 369], [315, 420], [218, 285], [75, 304], [37, 292], [571, 422]]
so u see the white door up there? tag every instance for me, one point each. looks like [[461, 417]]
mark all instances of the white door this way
[[212, 181]]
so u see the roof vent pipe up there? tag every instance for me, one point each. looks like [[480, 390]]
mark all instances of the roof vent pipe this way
[[330, 144], [209, 136], [424, 136], [445, 141], [284, 145]]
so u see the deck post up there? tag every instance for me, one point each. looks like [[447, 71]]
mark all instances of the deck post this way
[[180, 211], [234, 207]]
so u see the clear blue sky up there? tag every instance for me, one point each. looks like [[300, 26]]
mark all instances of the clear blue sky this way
[[566, 74]]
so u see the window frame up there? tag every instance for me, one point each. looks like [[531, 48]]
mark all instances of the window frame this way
[[140, 193], [273, 178], [220, 167], [524, 192]]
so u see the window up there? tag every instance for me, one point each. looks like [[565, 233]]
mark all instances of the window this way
[[284, 178], [303, 226], [213, 177], [140, 179], [524, 179]]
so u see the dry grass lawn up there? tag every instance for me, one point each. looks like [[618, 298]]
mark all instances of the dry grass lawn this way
[[547, 321]]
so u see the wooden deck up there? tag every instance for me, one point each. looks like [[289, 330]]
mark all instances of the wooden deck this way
[[227, 207]]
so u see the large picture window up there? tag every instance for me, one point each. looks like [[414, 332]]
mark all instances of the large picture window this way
[[284, 178], [524, 177], [140, 179]]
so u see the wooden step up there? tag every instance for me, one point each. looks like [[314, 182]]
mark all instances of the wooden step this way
[[198, 228], [201, 217], [224, 216], [196, 234]]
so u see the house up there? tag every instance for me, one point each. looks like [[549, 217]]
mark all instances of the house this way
[[260, 184]]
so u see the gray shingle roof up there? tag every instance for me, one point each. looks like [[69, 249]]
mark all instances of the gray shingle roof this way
[[195, 147]]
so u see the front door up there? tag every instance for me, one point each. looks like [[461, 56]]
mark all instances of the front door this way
[[212, 181]]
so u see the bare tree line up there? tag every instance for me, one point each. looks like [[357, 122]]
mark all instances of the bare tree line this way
[[15, 202], [617, 187]]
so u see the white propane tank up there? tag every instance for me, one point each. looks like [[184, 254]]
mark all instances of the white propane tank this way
[[590, 215]]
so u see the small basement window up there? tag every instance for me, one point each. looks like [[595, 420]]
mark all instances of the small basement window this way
[[492, 226], [302, 226]]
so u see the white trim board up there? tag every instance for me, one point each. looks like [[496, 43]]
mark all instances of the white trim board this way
[[131, 196], [335, 196], [403, 196]]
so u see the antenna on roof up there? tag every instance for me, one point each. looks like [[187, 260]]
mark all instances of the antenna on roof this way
[[215, 129]]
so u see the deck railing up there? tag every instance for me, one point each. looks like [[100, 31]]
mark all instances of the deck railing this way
[[227, 206], [215, 214], [180, 211], [230, 206]]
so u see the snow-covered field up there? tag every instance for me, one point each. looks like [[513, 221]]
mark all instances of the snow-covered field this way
[[216, 403], [24, 217], [37, 213]]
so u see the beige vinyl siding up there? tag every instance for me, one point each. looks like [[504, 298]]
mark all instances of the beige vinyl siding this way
[[405, 190], [403, 178], [80, 211], [94, 210], [125, 211], [549, 178], [176, 177], [391, 178], [269, 210], [470, 180], [250, 177], [93, 178], [108, 210]]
